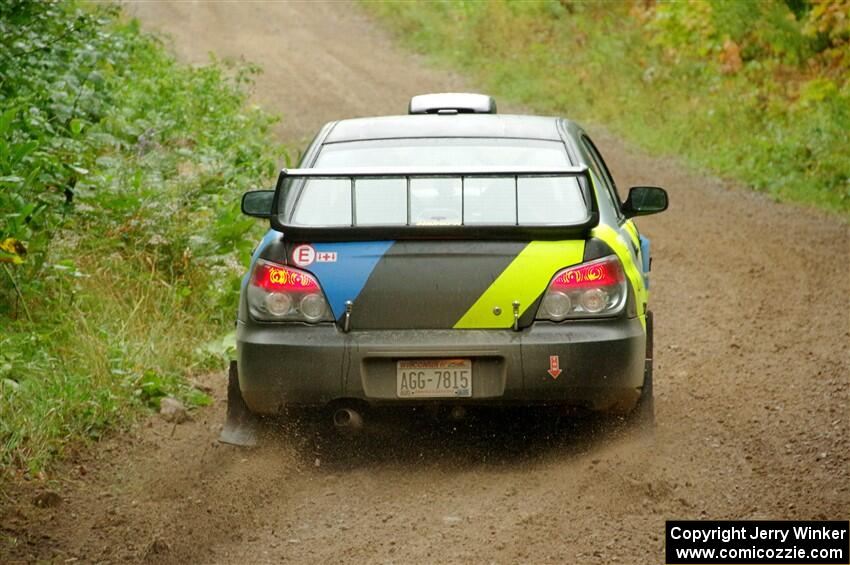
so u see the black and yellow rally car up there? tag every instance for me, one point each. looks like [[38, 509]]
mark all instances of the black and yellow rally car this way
[[453, 256]]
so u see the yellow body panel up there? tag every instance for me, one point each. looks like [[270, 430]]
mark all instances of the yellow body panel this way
[[523, 280], [630, 265]]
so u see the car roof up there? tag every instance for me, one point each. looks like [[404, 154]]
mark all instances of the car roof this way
[[445, 125]]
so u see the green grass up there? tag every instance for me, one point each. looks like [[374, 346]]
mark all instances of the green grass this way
[[120, 176], [750, 91]]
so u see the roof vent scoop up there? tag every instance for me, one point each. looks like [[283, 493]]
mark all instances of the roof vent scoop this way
[[452, 103]]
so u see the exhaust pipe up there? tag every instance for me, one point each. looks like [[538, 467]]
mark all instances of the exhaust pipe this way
[[348, 419]]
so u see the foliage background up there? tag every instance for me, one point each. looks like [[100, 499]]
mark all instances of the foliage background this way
[[122, 241], [757, 91]]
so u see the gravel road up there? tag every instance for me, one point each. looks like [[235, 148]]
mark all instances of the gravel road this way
[[752, 334]]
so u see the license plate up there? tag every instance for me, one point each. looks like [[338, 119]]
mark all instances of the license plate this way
[[434, 378]]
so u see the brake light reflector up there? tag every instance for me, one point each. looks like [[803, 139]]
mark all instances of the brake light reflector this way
[[594, 274], [592, 289], [277, 278], [280, 293]]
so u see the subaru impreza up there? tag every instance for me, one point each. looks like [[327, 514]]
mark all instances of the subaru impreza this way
[[452, 256]]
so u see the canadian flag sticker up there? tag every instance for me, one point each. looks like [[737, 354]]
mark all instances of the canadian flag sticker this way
[[554, 366]]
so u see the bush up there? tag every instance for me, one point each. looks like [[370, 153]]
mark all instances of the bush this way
[[121, 242]]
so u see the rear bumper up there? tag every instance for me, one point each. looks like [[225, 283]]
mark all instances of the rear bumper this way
[[602, 363]]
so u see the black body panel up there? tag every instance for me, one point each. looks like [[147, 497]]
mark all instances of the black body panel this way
[[421, 284]]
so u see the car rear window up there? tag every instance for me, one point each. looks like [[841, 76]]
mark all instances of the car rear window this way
[[441, 201]]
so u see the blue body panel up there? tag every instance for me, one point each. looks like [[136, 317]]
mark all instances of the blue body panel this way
[[644, 253], [270, 236], [344, 278]]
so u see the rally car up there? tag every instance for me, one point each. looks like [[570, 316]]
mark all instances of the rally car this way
[[453, 256]]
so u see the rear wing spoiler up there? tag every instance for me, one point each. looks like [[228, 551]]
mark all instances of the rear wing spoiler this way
[[292, 181]]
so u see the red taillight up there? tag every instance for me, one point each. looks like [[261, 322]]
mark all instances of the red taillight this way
[[592, 289], [281, 293], [593, 274], [276, 278]]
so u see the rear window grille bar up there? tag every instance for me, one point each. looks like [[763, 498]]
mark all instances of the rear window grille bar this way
[[463, 198], [353, 204], [516, 201], [408, 200]]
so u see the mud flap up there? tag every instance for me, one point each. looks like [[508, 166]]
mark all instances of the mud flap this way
[[644, 413], [242, 426]]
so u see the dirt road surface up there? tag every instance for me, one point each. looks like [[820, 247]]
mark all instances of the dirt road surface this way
[[751, 303]]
